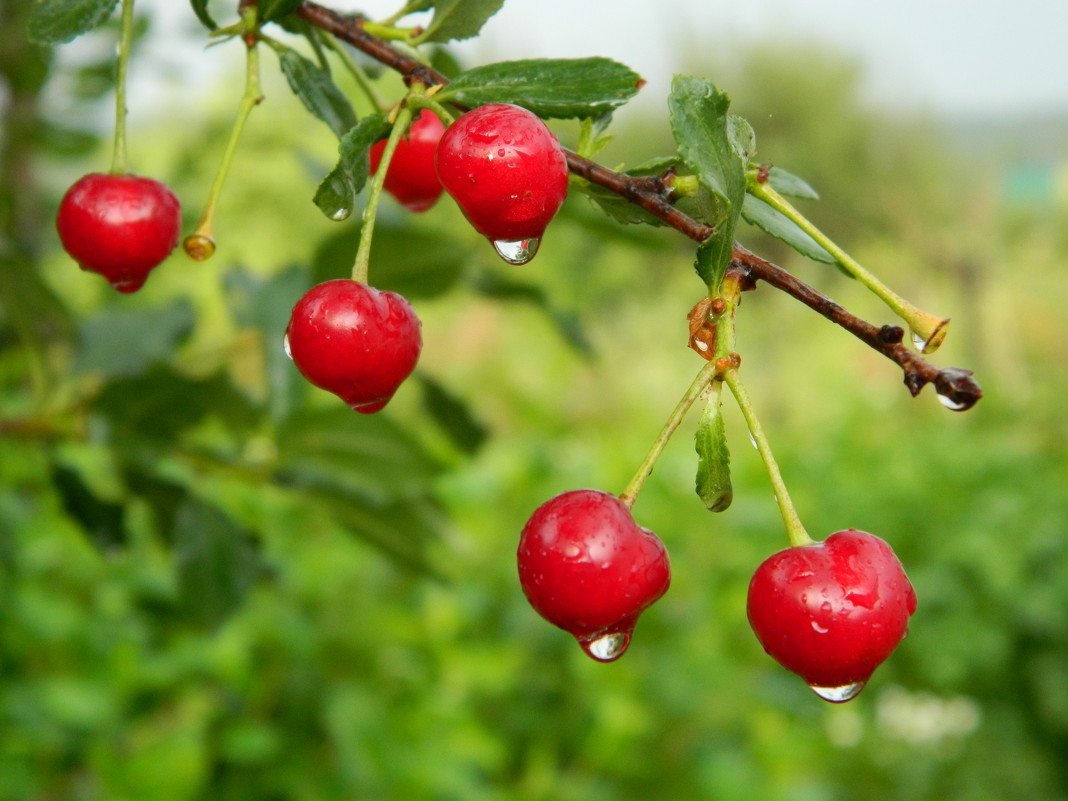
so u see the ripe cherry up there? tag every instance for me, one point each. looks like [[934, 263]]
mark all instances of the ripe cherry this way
[[832, 611], [508, 174], [355, 341], [120, 226], [411, 177], [587, 567]]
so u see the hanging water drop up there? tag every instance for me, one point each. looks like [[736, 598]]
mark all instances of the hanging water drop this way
[[340, 214], [918, 341], [839, 695], [519, 251], [952, 405], [285, 345], [607, 647]]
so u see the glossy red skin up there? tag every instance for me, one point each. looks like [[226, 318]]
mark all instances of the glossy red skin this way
[[355, 341], [505, 170], [587, 567], [832, 612], [412, 178], [120, 226]]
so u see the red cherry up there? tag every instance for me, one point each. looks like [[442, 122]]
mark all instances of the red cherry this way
[[833, 611], [411, 177], [120, 226], [587, 567], [508, 174], [355, 341]]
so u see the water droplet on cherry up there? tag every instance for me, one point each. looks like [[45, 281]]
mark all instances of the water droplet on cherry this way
[[285, 346], [838, 695], [816, 627], [607, 647], [519, 251]]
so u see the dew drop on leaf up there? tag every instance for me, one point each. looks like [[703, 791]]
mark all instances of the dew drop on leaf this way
[[519, 251], [607, 647], [838, 695]]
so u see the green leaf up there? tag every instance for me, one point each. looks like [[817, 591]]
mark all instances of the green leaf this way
[[458, 19], [355, 453], [154, 409], [715, 146], [757, 212], [786, 183], [57, 21], [200, 8], [713, 458], [274, 9], [413, 259], [453, 416], [123, 342], [336, 196], [318, 92], [560, 88], [217, 562], [266, 305], [568, 325], [102, 519]]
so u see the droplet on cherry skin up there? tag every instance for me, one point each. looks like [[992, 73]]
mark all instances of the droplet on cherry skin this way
[[838, 695], [519, 251], [606, 647], [285, 345]]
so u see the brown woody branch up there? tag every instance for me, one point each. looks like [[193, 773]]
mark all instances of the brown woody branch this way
[[653, 194]]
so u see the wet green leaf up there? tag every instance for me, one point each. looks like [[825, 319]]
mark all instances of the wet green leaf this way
[[200, 8], [713, 458], [452, 415], [560, 88], [786, 183], [414, 260], [124, 342], [336, 195], [57, 21], [318, 92], [459, 19], [274, 9], [217, 562], [758, 213], [715, 146]]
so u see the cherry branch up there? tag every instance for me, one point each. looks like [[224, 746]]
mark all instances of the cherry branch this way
[[653, 194]]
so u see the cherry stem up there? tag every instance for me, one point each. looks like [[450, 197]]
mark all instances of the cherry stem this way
[[370, 211], [118, 155], [795, 531], [645, 469], [200, 245], [928, 328]]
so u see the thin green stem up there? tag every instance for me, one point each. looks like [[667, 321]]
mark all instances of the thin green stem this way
[[359, 74], [200, 245], [410, 8], [370, 211], [645, 469], [795, 531], [118, 155], [928, 329]]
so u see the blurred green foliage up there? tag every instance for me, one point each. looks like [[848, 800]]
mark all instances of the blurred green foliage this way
[[216, 583]]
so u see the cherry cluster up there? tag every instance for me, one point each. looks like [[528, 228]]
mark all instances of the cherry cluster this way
[[830, 611]]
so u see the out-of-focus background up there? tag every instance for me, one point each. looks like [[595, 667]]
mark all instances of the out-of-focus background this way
[[216, 583]]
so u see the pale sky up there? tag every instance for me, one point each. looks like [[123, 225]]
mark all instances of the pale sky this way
[[949, 56]]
